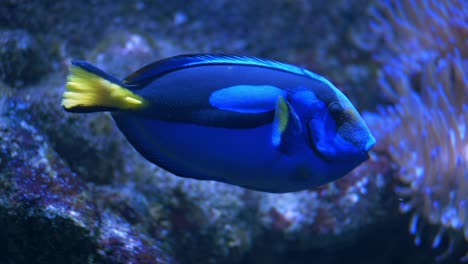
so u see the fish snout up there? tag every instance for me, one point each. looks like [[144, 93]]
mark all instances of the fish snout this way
[[369, 144]]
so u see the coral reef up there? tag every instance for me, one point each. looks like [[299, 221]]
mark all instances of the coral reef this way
[[113, 52], [211, 222], [69, 134], [119, 243], [40, 198], [333, 212], [21, 60], [49, 212], [90, 186]]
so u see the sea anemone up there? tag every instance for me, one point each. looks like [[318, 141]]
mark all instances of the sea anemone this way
[[416, 31], [429, 142], [425, 76]]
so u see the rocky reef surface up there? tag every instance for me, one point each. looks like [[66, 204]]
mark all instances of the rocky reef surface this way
[[73, 190]]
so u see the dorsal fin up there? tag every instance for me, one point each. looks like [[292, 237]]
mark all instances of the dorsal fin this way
[[159, 68]]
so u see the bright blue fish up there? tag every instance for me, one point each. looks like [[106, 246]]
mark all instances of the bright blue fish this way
[[251, 122]]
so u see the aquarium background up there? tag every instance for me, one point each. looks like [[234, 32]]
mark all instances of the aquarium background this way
[[72, 190]]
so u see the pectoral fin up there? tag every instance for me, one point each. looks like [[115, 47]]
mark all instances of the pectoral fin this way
[[286, 124]]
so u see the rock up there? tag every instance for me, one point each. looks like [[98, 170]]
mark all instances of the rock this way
[[333, 213], [45, 207], [21, 59], [50, 213]]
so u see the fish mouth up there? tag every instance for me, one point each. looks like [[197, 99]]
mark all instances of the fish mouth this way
[[370, 143]]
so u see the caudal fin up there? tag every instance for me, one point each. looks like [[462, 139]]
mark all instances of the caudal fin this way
[[90, 89]]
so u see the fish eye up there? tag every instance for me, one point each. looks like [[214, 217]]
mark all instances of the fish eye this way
[[337, 112], [334, 108]]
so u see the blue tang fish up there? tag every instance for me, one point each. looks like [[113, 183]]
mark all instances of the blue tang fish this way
[[256, 123]]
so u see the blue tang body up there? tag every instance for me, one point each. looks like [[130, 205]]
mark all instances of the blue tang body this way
[[255, 123]]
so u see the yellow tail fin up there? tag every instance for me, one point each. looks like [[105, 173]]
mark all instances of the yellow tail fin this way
[[89, 89]]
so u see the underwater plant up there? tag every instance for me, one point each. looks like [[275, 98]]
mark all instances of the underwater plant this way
[[425, 76]]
